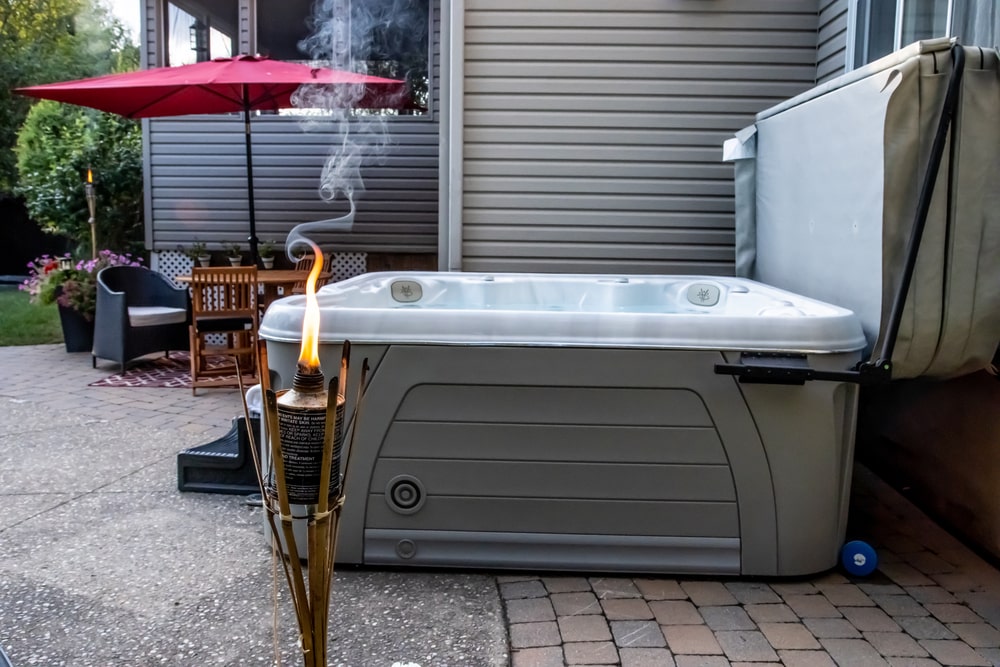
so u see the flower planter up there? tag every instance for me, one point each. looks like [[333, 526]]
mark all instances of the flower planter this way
[[205, 260], [78, 331], [74, 290], [235, 261], [267, 262]]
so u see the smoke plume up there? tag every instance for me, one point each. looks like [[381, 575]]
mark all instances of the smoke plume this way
[[374, 37]]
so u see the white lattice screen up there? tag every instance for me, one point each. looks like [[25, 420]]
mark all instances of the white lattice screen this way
[[348, 264], [173, 263]]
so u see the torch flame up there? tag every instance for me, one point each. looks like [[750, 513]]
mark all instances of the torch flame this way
[[90, 176], [309, 354]]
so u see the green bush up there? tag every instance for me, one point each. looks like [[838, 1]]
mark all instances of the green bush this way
[[52, 40], [55, 147]]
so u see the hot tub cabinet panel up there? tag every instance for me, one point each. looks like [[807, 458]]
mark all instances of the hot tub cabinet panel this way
[[577, 458]]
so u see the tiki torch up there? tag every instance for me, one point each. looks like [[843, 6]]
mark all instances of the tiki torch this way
[[305, 433], [302, 414], [88, 191]]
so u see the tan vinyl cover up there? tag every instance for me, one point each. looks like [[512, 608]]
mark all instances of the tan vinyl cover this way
[[838, 176]]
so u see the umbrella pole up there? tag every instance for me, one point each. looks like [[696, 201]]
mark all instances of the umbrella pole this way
[[254, 256]]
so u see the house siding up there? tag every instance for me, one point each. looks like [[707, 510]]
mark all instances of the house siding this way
[[593, 130], [831, 44], [147, 36], [196, 174]]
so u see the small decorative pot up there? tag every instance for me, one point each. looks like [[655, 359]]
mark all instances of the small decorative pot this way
[[267, 262], [204, 260], [235, 261]]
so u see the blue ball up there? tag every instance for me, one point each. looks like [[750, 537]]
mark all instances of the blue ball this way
[[859, 558]]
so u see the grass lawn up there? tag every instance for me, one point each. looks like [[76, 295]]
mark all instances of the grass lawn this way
[[24, 323]]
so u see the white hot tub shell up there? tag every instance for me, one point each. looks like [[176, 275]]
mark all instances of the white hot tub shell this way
[[577, 423]]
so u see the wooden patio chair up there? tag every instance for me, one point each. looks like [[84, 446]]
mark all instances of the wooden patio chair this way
[[223, 307], [306, 263]]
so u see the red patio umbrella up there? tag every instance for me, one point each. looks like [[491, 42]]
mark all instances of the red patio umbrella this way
[[243, 83]]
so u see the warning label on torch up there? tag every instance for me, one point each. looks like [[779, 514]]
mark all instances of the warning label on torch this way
[[301, 433]]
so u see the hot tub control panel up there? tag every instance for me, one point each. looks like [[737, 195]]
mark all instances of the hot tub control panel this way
[[703, 294], [407, 291]]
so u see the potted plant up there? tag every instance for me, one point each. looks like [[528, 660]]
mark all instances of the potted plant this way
[[234, 254], [73, 287], [266, 252], [198, 252]]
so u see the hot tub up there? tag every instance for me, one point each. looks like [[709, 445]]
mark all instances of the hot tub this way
[[576, 422]]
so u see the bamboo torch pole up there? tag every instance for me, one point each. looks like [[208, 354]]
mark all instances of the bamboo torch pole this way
[[348, 450], [267, 500], [319, 528], [300, 599], [328, 520]]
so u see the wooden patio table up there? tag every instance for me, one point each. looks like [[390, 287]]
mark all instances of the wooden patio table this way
[[271, 279]]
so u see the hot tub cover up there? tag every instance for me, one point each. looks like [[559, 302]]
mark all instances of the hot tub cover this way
[[827, 186]]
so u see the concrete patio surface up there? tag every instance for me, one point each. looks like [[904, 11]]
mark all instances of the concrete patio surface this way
[[103, 562]]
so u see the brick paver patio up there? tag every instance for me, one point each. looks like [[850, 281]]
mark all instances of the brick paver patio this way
[[932, 602]]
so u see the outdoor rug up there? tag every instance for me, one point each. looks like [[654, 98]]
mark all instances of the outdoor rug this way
[[172, 371]]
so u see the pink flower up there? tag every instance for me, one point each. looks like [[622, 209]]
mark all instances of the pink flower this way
[[76, 287]]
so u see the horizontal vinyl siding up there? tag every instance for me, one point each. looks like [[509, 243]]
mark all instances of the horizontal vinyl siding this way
[[593, 131], [147, 36], [197, 183], [831, 46], [200, 184]]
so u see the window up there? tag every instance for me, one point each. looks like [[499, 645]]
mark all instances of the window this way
[[883, 26], [199, 30], [388, 38], [977, 22], [281, 25]]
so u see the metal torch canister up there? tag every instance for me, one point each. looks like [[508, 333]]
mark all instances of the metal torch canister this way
[[302, 414]]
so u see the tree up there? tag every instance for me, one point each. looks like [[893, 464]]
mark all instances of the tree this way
[[57, 144], [52, 40]]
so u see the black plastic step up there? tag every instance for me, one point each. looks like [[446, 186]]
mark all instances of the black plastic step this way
[[221, 466]]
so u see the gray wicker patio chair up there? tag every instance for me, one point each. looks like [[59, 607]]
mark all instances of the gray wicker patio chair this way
[[138, 311]]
